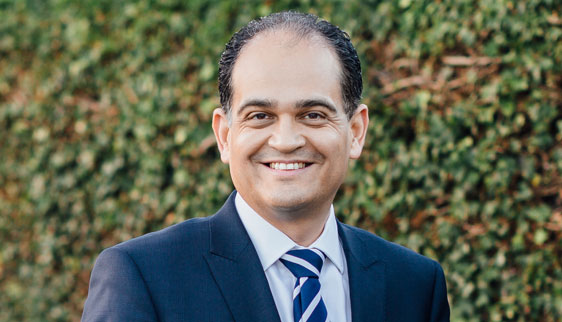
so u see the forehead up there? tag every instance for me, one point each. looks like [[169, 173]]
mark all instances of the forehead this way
[[283, 66]]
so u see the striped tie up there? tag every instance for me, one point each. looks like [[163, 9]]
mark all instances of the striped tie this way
[[306, 264]]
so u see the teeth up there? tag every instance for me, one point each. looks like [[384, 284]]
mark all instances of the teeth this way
[[286, 166]]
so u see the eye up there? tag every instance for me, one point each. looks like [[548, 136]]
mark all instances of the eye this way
[[314, 116], [258, 116]]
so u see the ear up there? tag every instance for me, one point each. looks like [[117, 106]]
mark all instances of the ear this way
[[221, 129], [358, 127]]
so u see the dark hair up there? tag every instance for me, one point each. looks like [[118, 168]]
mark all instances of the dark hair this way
[[303, 25]]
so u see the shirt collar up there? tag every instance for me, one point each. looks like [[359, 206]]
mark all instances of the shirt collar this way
[[271, 243]]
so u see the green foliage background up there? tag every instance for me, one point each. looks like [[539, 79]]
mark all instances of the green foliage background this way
[[105, 135]]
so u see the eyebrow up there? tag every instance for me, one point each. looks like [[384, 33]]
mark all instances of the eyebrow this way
[[266, 103], [256, 102], [316, 102]]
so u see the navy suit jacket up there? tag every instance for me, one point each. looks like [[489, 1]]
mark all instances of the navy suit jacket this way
[[207, 269]]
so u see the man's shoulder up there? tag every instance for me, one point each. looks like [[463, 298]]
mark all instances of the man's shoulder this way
[[189, 238], [414, 284], [189, 232], [396, 255]]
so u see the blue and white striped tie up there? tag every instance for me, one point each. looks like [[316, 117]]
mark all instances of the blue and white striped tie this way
[[306, 265]]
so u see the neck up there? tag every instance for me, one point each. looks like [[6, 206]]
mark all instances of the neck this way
[[303, 226]]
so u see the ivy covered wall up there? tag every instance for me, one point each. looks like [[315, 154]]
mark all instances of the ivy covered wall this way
[[105, 110]]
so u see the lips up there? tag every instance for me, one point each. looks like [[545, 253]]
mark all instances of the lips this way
[[287, 165]]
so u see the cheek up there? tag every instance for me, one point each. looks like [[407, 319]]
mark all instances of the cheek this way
[[244, 143], [330, 140]]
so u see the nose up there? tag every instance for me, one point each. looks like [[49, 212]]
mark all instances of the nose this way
[[286, 136]]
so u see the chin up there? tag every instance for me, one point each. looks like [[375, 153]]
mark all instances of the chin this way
[[290, 201]]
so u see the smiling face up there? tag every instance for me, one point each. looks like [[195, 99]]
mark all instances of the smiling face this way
[[288, 140]]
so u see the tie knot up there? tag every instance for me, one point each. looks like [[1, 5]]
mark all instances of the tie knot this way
[[304, 262]]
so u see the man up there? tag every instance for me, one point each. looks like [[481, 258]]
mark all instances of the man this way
[[290, 121]]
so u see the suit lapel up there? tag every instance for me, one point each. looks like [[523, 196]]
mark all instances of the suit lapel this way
[[236, 268], [367, 283]]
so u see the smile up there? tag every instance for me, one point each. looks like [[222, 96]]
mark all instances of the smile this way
[[287, 166]]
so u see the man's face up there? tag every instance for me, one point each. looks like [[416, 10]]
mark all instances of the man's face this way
[[288, 140]]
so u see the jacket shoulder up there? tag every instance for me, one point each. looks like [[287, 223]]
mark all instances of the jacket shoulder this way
[[189, 232], [390, 252], [415, 284]]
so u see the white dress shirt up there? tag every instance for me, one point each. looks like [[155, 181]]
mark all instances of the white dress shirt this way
[[271, 244]]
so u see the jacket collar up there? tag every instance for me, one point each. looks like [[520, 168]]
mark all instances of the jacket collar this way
[[236, 268], [366, 273]]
